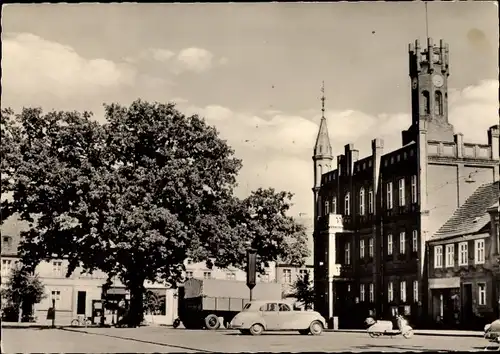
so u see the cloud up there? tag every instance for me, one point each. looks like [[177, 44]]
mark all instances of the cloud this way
[[276, 148], [196, 60], [31, 64]]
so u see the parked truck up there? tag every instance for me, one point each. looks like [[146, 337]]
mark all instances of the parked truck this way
[[202, 302]]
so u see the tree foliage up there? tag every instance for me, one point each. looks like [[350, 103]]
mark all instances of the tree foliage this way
[[22, 291], [135, 196], [303, 291]]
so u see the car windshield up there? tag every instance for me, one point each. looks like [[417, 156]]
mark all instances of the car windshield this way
[[247, 307]]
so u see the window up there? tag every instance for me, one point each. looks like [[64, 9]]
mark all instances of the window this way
[[347, 204], [347, 253], [482, 294], [426, 105], [264, 278], [415, 240], [414, 189], [370, 247], [479, 251], [207, 275], [302, 273], [362, 292], [287, 276], [415, 291], [402, 242], [7, 241], [389, 195], [189, 275], [327, 207], [389, 244], [361, 248], [464, 254], [370, 201], [57, 268], [450, 255], [438, 256], [284, 307], [362, 201], [390, 292], [189, 261], [438, 103], [372, 293], [56, 295], [231, 276], [6, 267], [401, 193], [334, 205], [402, 291]]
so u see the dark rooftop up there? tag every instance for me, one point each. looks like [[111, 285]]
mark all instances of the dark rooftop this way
[[473, 215]]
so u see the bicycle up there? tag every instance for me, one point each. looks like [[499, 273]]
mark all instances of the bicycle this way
[[81, 321]]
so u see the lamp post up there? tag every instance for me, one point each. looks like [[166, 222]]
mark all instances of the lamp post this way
[[55, 296]]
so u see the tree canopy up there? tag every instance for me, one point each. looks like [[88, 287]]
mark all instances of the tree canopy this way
[[303, 291], [136, 195]]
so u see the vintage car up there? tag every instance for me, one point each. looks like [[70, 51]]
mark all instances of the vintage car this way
[[272, 315], [492, 331]]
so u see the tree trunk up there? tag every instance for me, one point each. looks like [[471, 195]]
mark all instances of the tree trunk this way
[[136, 308]]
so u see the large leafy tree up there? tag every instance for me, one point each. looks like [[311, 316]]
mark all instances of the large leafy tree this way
[[22, 291], [134, 196]]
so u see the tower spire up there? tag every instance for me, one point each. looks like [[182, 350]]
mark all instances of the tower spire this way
[[323, 100], [426, 21]]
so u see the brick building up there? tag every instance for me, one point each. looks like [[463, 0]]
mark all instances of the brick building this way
[[463, 264], [374, 215]]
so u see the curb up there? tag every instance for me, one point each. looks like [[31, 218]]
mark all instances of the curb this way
[[419, 333]]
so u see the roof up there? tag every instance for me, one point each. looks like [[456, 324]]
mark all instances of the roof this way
[[323, 146], [472, 215], [10, 230]]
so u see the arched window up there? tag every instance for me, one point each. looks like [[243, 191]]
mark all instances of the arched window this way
[[334, 205], [362, 201], [426, 102], [347, 204], [438, 103]]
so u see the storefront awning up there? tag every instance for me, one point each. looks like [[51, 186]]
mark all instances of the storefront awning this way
[[117, 291], [444, 283]]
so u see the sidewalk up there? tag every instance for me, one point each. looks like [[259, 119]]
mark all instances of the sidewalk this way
[[424, 332]]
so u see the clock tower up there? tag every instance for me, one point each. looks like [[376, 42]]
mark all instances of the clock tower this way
[[429, 71]]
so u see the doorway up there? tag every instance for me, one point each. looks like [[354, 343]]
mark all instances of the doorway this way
[[81, 303], [467, 313]]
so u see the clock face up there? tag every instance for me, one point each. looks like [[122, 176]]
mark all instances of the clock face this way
[[414, 84], [437, 80]]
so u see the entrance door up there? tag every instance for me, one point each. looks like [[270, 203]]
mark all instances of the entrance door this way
[[467, 305], [81, 302]]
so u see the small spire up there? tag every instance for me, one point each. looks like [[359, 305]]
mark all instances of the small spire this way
[[323, 100]]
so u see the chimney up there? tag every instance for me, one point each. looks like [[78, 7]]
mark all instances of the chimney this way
[[493, 135], [459, 143]]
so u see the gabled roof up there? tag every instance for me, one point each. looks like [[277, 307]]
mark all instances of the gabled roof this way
[[473, 215]]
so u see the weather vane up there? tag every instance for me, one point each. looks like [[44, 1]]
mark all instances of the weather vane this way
[[323, 100]]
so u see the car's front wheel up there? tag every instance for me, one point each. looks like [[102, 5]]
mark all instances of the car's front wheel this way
[[316, 328], [256, 329]]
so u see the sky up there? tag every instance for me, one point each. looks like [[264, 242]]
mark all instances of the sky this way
[[255, 71]]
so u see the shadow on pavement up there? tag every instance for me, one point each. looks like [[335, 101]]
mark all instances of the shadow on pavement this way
[[138, 340], [389, 346]]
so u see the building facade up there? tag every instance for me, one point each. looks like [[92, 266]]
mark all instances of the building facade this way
[[80, 294], [463, 264], [374, 215]]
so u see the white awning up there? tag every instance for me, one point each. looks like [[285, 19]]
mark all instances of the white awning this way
[[444, 283]]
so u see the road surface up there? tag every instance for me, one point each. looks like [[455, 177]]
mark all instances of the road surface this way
[[169, 340]]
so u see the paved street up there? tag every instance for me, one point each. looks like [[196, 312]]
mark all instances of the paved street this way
[[162, 339]]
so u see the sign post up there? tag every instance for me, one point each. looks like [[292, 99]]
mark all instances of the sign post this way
[[251, 270]]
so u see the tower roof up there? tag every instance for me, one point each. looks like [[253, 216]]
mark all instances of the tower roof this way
[[323, 146]]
